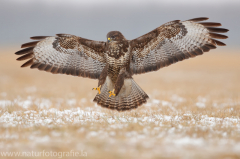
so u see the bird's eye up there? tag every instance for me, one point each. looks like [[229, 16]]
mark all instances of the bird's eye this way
[[113, 37]]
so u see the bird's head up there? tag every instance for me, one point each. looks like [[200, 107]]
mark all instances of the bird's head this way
[[115, 36]]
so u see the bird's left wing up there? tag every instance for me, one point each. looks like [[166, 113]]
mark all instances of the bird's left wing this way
[[65, 54], [173, 42]]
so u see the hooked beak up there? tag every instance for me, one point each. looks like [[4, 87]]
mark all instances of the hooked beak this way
[[109, 39]]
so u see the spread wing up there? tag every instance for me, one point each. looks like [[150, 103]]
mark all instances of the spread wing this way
[[173, 42], [66, 54]]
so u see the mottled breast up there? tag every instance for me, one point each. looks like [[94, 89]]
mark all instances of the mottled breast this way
[[118, 53]]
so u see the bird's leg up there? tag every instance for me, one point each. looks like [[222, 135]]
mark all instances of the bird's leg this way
[[98, 88], [102, 79], [111, 93], [119, 83], [103, 76]]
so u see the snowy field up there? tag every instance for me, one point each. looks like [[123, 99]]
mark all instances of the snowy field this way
[[193, 112]]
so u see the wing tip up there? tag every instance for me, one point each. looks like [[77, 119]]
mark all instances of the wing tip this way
[[210, 24], [29, 44], [219, 43], [218, 36], [217, 30], [38, 37], [28, 63], [24, 51], [198, 19], [24, 57]]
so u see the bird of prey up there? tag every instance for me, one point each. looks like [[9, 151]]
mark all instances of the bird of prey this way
[[114, 61]]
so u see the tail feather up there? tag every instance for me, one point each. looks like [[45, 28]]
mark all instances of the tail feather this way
[[135, 98]]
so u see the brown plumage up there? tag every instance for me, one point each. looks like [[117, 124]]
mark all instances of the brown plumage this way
[[25, 51], [26, 56], [115, 61]]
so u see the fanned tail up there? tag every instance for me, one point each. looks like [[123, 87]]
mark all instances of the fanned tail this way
[[124, 100]]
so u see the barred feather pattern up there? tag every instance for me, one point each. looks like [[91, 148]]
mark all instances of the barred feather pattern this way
[[68, 57], [193, 39], [136, 98]]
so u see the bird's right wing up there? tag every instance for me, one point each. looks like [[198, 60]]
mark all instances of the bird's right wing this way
[[172, 42], [65, 54]]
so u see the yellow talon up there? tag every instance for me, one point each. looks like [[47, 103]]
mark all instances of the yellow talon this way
[[111, 93], [98, 88]]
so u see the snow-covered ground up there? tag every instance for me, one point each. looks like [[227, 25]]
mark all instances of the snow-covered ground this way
[[193, 112], [146, 132]]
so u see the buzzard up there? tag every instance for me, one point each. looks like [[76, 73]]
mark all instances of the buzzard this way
[[115, 61]]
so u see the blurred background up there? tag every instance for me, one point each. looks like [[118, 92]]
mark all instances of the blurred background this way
[[194, 105], [93, 19]]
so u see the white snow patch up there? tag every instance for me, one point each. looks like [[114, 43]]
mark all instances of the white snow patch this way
[[5, 103], [187, 141], [155, 101], [177, 99], [200, 105], [71, 102], [92, 134], [201, 102], [43, 103]]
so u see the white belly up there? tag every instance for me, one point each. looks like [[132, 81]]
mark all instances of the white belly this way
[[125, 90]]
